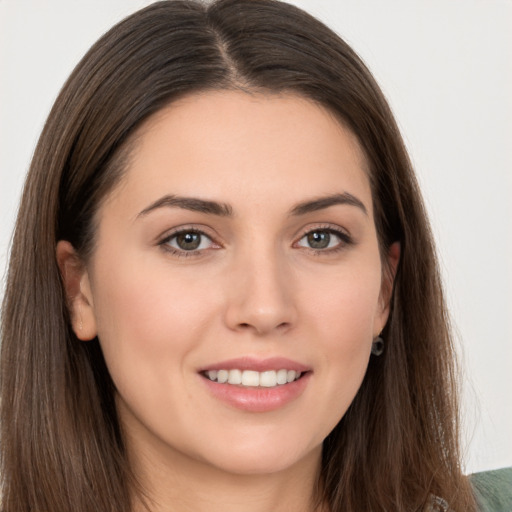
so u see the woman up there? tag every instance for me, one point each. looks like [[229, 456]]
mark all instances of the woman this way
[[223, 292]]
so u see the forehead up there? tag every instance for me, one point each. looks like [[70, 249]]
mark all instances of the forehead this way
[[229, 145]]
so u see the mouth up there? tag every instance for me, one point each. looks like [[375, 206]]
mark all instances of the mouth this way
[[257, 385], [252, 378]]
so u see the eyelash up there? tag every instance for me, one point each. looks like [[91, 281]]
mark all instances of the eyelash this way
[[182, 253], [345, 241]]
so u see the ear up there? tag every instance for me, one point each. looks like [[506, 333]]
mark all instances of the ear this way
[[388, 279], [78, 291]]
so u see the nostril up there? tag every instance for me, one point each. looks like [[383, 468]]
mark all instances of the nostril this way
[[261, 329]]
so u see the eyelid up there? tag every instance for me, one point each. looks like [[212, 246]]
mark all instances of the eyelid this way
[[163, 241], [345, 237], [184, 228]]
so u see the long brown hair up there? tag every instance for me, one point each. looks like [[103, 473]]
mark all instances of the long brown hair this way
[[61, 443]]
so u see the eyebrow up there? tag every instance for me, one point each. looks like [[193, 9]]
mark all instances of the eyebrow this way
[[190, 203], [325, 202], [225, 210]]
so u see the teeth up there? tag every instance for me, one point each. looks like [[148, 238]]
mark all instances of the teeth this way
[[235, 377], [222, 376], [268, 379], [292, 375], [282, 376], [250, 378]]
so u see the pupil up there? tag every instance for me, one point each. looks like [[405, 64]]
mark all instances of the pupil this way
[[319, 239], [188, 241]]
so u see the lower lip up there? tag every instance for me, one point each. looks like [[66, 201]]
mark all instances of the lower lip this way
[[258, 399]]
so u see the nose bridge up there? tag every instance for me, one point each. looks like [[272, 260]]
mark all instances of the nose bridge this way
[[261, 297]]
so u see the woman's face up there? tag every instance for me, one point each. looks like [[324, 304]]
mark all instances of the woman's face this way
[[239, 245]]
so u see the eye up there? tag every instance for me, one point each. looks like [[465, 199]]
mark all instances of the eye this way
[[187, 241], [321, 239]]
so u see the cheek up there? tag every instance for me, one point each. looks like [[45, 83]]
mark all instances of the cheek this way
[[143, 298], [347, 306], [345, 315], [142, 309], [149, 323]]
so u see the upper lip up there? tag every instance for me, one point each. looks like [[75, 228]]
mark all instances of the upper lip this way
[[258, 365]]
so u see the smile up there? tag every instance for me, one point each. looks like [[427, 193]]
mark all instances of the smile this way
[[251, 378], [254, 384]]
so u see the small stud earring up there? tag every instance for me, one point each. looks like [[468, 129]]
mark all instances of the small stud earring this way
[[378, 346]]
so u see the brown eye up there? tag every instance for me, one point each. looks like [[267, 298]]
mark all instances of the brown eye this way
[[189, 241], [319, 239], [322, 239]]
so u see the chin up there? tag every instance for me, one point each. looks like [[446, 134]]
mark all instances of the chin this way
[[266, 461]]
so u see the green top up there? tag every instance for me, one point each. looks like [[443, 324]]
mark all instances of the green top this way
[[493, 490]]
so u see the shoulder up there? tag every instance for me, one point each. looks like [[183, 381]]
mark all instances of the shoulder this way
[[493, 490]]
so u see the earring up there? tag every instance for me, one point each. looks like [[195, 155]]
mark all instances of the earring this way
[[378, 346]]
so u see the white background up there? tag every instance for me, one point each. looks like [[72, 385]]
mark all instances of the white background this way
[[446, 67]]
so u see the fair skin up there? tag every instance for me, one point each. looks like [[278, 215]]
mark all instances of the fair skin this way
[[176, 288]]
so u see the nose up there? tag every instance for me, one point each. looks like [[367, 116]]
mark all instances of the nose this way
[[261, 296]]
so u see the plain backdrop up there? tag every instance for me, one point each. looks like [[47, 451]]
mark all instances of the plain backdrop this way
[[446, 68]]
